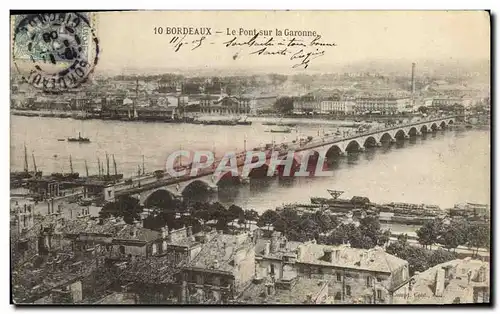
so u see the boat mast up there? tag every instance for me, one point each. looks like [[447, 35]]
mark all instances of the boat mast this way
[[107, 164], [99, 165], [25, 159], [143, 168], [70, 164], [114, 164], [86, 168], [136, 95], [34, 163]]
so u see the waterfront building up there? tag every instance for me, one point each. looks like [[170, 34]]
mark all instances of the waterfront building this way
[[343, 107], [470, 209], [453, 282], [225, 105], [452, 101], [382, 105], [259, 104], [307, 104]]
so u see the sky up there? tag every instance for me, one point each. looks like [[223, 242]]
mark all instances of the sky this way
[[127, 39]]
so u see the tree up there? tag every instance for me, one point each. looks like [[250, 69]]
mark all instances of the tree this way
[[268, 217], [479, 236], [370, 227], [284, 104], [126, 207], [428, 234], [423, 109], [235, 212], [440, 256], [453, 235], [384, 237]]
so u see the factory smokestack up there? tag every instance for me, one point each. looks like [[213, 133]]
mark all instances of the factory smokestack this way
[[413, 78]]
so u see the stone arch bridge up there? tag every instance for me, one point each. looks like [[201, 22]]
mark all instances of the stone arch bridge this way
[[325, 146]]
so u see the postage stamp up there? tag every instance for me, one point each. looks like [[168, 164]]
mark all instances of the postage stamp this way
[[55, 51]]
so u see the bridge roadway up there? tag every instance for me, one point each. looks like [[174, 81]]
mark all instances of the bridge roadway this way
[[150, 182]]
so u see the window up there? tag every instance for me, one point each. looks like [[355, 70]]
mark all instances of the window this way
[[216, 281], [199, 279], [271, 271], [339, 277], [122, 249], [338, 296], [369, 281], [348, 290], [379, 294]]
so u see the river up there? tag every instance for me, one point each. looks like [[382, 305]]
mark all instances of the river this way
[[444, 168]]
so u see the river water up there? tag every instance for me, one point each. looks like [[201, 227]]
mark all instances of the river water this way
[[444, 168]]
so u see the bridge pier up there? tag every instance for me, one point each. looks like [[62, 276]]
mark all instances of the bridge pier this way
[[378, 144], [361, 149], [392, 141], [406, 136], [418, 133], [244, 180]]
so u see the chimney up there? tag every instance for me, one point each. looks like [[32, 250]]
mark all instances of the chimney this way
[[164, 232], [270, 289], [267, 249], [328, 254], [439, 283], [300, 252], [189, 231], [413, 78], [216, 264], [275, 242]]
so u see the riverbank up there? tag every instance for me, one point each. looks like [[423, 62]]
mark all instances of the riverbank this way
[[335, 120]]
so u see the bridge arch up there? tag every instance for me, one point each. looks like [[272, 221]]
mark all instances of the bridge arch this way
[[385, 137], [443, 124], [225, 179], [334, 152], [196, 186], [161, 198], [434, 126], [353, 146], [370, 141], [400, 133], [424, 129], [412, 131], [451, 121]]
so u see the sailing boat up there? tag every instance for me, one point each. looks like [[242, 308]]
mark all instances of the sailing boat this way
[[67, 176], [25, 174]]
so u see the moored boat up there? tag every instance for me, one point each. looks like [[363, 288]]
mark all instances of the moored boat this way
[[79, 139]]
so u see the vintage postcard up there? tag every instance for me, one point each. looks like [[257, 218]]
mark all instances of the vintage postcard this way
[[250, 157]]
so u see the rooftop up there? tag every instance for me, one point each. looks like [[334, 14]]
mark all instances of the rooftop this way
[[299, 293], [112, 227], [219, 252], [458, 282], [375, 259], [154, 269], [36, 278], [117, 298]]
